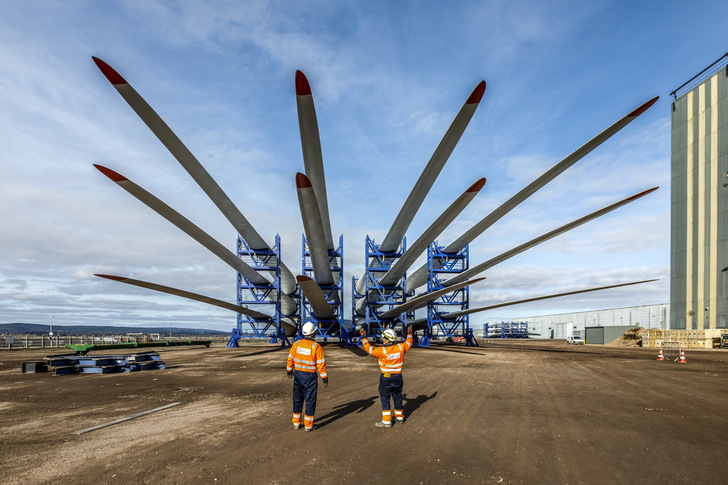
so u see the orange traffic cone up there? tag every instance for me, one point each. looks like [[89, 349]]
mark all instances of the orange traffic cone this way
[[682, 358], [660, 356]]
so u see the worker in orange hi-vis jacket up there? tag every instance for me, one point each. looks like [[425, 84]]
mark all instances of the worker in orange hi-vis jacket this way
[[304, 358], [391, 358]]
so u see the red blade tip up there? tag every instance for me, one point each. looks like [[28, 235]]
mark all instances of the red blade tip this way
[[108, 71], [644, 107], [301, 278], [477, 93], [642, 194], [111, 277], [116, 177], [302, 86], [477, 185], [302, 181]]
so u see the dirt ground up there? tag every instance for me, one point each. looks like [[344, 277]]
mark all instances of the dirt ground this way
[[505, 412]]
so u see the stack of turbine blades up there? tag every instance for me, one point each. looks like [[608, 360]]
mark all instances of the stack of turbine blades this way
[[419, 276], [427, 178], [313, 203], [288, 306], [286, 325], [188, 161], [312, 157], [475, 270], [403, 263], [314, 230], [472, 272]]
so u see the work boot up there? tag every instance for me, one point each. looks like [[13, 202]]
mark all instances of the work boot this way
[[296, 425], [310, 428], [382, 424], [400, 420]]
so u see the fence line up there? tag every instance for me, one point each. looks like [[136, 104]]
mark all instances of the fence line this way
[[45, 341]]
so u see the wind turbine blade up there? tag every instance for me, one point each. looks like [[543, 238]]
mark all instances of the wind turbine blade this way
[[211, 244], [311, 145], [188, 295], [546, 177], [465, 275], [432, 170], [453, 315], [417, 324], [315, 296], [400, 267], [313, 227], [288, 327], [420, 275], [188, 161], [184, 224], [422, 300]]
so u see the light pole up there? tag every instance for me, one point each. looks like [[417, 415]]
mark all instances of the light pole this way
[[50, 333], [170, 330]]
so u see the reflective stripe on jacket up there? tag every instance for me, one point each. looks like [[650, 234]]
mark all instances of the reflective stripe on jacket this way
[[390, 357], [305, 356]]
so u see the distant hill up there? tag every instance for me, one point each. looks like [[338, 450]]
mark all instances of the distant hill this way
[[36, 329]]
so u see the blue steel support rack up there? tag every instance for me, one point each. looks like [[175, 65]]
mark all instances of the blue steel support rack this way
[[440, 267], [334, 294], [377, 263], [506, 330], [249, 294]]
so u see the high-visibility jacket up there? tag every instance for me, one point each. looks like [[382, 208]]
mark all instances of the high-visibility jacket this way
[[390, 357], [306, 356]]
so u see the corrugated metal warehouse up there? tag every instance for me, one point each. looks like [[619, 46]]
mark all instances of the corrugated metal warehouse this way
[[563, 325]]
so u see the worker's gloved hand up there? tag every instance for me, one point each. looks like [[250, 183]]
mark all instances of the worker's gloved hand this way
[[326, 382], [290, 374], [362, 333], [409, 330]]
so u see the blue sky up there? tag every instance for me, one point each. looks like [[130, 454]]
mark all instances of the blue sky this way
[[387, 79]]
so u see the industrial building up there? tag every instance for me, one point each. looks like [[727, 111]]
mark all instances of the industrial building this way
[[699, 199], [615, 321]]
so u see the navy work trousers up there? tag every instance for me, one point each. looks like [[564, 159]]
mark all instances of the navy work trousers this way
[[391, 386], [305, 387]]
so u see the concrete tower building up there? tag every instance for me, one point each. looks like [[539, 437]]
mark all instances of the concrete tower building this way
[[699, 198]]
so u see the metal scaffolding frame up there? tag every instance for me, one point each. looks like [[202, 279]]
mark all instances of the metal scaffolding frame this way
[[250, 294], [327, 328], [377, 263], [442, 266]]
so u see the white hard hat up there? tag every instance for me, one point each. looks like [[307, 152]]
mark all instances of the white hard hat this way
[[389, 334], [309, 329]]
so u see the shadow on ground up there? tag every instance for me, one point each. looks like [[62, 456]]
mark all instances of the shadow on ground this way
[[411, 405], [342, 410]]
